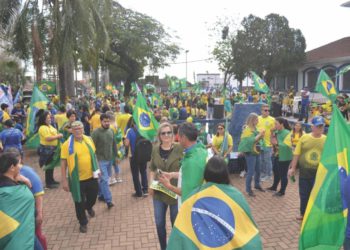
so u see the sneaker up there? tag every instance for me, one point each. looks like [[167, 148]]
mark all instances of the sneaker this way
[[251, 194], [100, 198], [56, 182], [278, 194], [242, 174], [112, 181], [83, 228], [52, 186], [119, 180], [135, 195], [145, 193], [110, 205], [91, 212], [266, 178], [260, 189], [271, 189]]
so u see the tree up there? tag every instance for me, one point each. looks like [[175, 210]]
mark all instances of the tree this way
[[264, 45], [76, 28], [137, 41], [222, 51]]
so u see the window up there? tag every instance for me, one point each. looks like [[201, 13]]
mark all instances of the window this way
[[311, 79]]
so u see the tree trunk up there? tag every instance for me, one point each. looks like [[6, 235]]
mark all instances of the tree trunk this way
[[97, 89], [69, 75], [62, 83]]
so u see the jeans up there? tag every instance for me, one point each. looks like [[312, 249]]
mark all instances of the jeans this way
[[137, 169], [160, 209], [280, 174], [88, 192], [253, 168], [305, 187], [266, 162], [105, 167], [116, 169], [304, 113]]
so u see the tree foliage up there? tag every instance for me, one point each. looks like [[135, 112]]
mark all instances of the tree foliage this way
[[137, 41], [266, 46]]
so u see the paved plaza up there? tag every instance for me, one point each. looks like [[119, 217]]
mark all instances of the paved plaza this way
[[130, 224]]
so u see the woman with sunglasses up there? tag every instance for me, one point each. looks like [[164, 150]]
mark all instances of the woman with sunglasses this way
[[218, 142], [166, 157], [249, 146]]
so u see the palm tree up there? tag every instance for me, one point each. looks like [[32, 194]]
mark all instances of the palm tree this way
[[68, 28]]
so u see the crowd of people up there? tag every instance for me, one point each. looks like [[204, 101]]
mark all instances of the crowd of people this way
[[92, 137]]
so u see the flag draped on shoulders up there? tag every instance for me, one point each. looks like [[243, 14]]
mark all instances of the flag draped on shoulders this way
[[37, 102], [17, 225], [259, 84], [216, 216], [147, 125], [325, 86], [247, 142], [73, 168], [325, 217]]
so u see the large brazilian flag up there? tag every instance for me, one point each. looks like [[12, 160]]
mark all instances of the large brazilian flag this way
[[37, 102], [325, 86], [325, 217], [17, 225], [147, 125], [216, 217]]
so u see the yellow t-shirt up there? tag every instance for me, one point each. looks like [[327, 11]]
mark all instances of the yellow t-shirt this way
[[309, 149], [6, 116], [122, 121], [266, 123], [218, 140], [47, 131], [95, 122], [61, 119], [84, 157], [295, 139]]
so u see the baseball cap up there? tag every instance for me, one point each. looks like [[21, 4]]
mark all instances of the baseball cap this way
[[317, 121]]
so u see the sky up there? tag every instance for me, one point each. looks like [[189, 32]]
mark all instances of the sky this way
[[192, 21]]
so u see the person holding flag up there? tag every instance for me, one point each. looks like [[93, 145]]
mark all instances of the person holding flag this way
[[220, 216], [222, 142]]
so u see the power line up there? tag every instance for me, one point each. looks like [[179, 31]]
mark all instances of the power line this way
[[201, 60]]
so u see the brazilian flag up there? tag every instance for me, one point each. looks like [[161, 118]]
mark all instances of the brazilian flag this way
[[38, 101], [325, 86], [17, 225], [259, 84], [325, 216], [147, 125], [47, 87], [215, 217]]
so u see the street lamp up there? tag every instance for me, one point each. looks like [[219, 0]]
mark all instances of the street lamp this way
[[186, 63]]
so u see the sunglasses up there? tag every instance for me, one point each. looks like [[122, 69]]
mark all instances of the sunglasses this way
[[166, 133], [266, 110]]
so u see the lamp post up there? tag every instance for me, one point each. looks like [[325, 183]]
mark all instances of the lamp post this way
[[186, 63]]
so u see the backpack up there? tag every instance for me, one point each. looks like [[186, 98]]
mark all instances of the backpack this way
[[143, 149]]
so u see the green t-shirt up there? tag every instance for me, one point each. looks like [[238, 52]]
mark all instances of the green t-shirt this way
[[106, 147], [285, 152]]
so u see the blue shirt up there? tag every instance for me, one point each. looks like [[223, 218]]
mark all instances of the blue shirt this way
[[11, 138], [131, 135], [183, 114], [37, 186]]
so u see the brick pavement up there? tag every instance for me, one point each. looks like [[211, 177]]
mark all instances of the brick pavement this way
[[130, 224]]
